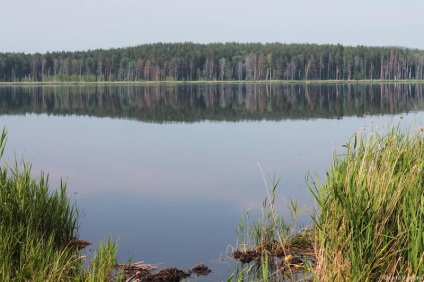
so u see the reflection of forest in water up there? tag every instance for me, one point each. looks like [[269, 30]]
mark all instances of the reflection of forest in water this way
[[218, 102]]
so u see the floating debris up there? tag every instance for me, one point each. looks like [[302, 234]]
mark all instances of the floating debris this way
[[80, 243], [201, 269], [246, 256], [293, 259], [140, 271], [168, 274]]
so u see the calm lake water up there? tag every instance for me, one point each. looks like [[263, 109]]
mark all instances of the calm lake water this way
[[168, 170]]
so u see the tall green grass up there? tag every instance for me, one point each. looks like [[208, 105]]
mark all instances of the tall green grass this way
[[267, 245], [370, 218], [103, 265], [369, 225], [257, 238], [38, 227]]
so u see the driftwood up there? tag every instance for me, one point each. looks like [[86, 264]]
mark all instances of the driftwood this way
[[137, 266]]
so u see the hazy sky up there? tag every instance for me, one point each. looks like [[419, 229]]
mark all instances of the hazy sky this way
[[56, 25]]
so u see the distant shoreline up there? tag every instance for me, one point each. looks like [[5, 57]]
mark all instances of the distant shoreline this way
[[284, 82]]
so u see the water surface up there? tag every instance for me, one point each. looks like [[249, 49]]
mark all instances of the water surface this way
[[168, 170]]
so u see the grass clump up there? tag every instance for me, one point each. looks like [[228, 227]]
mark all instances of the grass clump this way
[[370, 219], [36, 227], [369, 225], [271, 248], [103, 265], [38, 231]]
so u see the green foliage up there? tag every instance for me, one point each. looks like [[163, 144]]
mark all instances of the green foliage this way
[[265, 244], [103, 263], [38, 231], [371, 209], [36, 225], [369, 225], [216, 61]]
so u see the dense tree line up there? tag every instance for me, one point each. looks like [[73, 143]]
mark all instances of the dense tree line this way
[[218, 102], [217, 61]]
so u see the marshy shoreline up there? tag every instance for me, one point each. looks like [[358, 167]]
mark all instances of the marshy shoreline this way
[[369, 221], [369, 224]]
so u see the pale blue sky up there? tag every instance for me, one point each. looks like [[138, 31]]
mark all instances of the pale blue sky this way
[[56, 25]]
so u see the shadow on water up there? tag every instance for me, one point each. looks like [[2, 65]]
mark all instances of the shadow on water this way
[[226, 102]]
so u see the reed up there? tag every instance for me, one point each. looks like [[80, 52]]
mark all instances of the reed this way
[[38, 230], [103, 265], [369, 223], [370, 217], [271, 248]]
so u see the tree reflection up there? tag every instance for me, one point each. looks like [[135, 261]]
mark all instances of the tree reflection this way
[[216, 102]]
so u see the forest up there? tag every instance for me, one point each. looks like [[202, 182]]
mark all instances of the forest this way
[[216, 62]]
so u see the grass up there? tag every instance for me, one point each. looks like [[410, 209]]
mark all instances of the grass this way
[[368, 226], [39, 240], [103, 265], [38, 229], [271, 248], [369, 223], [370, 218]]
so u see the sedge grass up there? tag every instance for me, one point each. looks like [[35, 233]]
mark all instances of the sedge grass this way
[[369, 225], [268, 246], [37, 230], [370, 218], [103, 265], [36, 225]]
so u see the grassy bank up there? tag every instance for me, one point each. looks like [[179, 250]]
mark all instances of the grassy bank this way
[[272, 248], [369, 222], [38, 231], [368, 226], [39, 239]]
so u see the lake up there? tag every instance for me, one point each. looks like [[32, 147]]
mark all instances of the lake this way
[[168, 170]]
